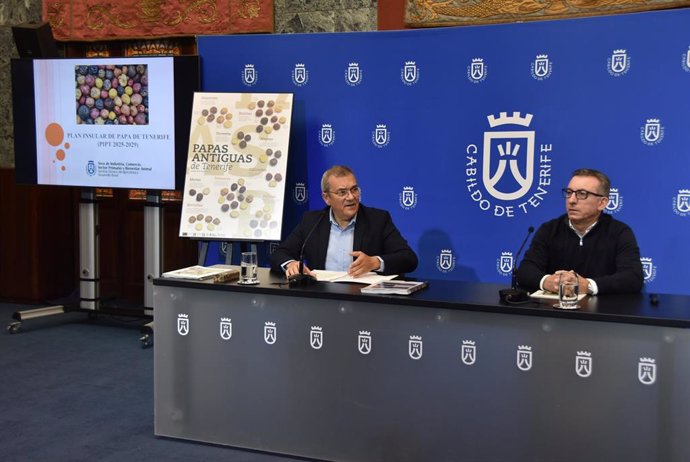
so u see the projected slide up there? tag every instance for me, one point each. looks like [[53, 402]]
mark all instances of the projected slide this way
[[106, 122]]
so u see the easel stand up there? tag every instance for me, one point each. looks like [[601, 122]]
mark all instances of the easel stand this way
[[153, 257], [227, 246], [88, 267], [153, 245], [89, 281]]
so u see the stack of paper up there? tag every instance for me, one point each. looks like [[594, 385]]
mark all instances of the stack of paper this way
[[342, 276], [394, 287]]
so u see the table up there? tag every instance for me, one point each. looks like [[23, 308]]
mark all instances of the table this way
[[446, 374]]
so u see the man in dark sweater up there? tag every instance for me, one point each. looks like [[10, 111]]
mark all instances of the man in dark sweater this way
[[601, 250]]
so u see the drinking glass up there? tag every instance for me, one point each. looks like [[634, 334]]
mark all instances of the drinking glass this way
[[568, 290], [248, 265]]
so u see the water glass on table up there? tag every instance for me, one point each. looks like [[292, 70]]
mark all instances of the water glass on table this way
[[248, 265], [568, 290]]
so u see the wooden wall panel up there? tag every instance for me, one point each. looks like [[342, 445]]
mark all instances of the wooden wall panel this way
[[391, 15], [37, 241]]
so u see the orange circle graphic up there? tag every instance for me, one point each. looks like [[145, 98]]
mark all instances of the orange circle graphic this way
[[54, 134]]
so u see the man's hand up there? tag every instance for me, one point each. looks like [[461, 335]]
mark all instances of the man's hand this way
[[292, 268], [551, 282], [583, 283], [363, 264]]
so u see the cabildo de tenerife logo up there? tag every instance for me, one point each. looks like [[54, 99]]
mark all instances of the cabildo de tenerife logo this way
[[300, 75], [249, 76], [364, 342], [182, 324], [468, 352], [524, 357], [445, 261], [648, 269], [541, 67], [618, 63], [415, 347], [353, 74], [381, 136], [408, 198], [681, 203], [477, 70], [225, 328], [300, 194], [326, 135], [652, 132], [316, 337], [272, 247], [583, 364], [410, 73], [506, 175], [504, 264], [686, 60], [646, 371], [615, 204], [270, 332]]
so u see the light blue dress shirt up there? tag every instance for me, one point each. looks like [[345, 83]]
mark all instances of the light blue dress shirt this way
[[340, 243]]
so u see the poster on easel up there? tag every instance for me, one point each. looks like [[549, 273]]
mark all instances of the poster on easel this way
[[236, 166]]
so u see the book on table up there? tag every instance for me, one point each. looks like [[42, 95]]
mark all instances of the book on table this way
[[394, 287], [217, 273]]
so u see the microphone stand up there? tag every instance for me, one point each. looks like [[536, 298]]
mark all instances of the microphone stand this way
[[302, 279], [515, 296]]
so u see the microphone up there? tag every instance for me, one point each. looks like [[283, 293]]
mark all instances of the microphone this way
[[301, 279], [513, 282], [515, 295]]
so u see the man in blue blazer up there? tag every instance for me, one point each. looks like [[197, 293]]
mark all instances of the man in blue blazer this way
[[345, 235]]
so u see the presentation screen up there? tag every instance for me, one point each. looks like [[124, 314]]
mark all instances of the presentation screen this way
[[103, 122]]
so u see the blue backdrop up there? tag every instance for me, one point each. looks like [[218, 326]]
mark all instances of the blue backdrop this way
[[467, 135]]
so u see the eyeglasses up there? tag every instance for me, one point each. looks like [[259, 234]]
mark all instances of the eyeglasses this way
[[355, 190], [581, 194]]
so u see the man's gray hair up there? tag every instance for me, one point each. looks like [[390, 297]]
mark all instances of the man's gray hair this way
[[337, 171], [604, 182]]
